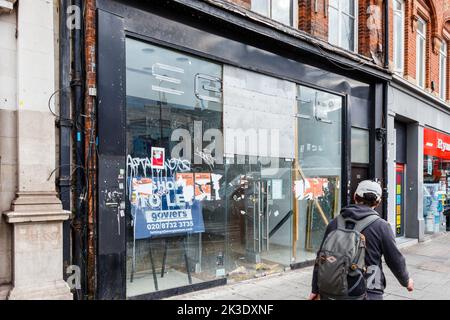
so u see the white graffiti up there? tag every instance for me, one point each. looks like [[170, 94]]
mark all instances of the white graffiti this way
[[216, 184], [143, 166], [206, 156], [134, 164], [178, 165]]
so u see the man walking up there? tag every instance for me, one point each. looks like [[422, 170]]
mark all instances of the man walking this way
[[348, 264]]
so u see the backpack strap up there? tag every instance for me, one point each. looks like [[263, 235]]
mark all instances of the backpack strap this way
[[367, 221], [341, 222], [360, 225]]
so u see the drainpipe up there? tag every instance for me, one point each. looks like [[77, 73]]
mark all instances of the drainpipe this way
[[64, 124], [385, 109], [386, 34], [80, 221]]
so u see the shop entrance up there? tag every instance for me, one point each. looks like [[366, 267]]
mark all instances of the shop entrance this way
[[400, 200], [401, 145], [260, 219]]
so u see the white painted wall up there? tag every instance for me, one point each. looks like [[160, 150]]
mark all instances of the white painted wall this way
[[35, 85], [27, 130], [8, 136], [8, 66]]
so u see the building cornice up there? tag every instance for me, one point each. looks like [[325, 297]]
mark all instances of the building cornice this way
[[419, 93]]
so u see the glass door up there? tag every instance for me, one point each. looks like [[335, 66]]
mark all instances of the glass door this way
[[259, 218]]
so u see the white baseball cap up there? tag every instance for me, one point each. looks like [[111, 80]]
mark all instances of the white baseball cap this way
[[369, 186]]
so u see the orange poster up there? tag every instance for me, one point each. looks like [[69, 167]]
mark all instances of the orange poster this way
[[316, 187], [310, 188], [202, 186]]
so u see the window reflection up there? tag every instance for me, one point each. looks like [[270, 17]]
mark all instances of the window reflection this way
[[318, 171]]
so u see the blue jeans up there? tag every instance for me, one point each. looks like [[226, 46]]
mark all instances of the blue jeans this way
[[374, 296]]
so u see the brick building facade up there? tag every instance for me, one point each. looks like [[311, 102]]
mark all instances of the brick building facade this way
[[281, 53], [261, 56]]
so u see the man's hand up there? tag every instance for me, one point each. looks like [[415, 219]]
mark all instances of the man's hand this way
[[410, 286], [314, 296]]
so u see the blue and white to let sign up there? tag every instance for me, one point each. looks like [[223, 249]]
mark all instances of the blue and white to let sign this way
[[160, 208]]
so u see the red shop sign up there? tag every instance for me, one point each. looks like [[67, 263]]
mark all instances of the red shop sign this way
[[436, 144]]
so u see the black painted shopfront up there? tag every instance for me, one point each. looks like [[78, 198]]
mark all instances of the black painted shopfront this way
[[224, 147]]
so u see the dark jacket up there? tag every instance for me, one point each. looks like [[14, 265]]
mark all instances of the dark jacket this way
[[380, 240]]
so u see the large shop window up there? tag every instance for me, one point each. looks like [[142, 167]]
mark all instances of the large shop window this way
[[230, 173], [342, 26], [436, 181], [176, 222]]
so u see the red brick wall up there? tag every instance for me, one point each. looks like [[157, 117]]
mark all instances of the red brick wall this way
[[313, 19], [434, 13], [370, 28], [316, 18], [410, 42]]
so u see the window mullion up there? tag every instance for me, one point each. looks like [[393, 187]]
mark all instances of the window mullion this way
[[270, 8], [339, 24]]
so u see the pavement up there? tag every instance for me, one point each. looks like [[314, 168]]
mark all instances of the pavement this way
[[428, 264]]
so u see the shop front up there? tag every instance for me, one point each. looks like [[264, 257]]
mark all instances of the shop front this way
[[218, 158], [418, 162], [436, 181]]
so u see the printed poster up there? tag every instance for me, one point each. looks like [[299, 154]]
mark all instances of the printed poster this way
[[158, 158], [202, 186], [310, 188], [159, 208], [186, 181], [430, 198]]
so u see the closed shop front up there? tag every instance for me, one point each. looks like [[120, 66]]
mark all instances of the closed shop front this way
[[211, 169]]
